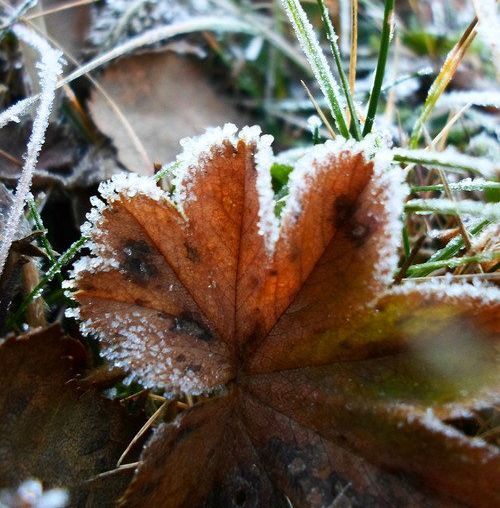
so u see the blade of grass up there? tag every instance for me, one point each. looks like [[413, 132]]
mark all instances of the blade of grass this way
[[55, 269], [49, 68], [353, 58], [58, 8], [452, 248], [319, 65], [430, 266], [490, 211], [334, 47], [465, 185], [448, 70], [381, 64], [446, 159], [37, 219]]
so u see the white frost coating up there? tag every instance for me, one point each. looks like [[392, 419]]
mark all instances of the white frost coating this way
[[315, 160], [387, 186], [489, 98], [435, 425], [49, 69], [449, 158], [130, 347], [447, 289], [13, 113], [488, 26], [268, 222], [197, 151], [314, 54], [490, 211], [130, 185], [391, 190], [31, 494]]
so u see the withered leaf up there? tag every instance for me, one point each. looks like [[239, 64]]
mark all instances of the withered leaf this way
[[50, 430], [154, 90], [337, 388]]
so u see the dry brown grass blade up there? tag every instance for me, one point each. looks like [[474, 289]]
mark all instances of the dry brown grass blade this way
[[353, 59], [141, 432], [58, 8], [319, 111], [134, 139], [448, 70]]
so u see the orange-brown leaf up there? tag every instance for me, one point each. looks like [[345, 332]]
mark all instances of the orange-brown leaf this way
[[335, 385]]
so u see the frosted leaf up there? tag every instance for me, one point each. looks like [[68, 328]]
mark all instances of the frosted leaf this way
[[49, 68], [318, 158], [197, 150]]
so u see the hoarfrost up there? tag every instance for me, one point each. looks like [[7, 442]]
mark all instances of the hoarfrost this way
[[49, 68], [490, 211], [312, 49], [489, 26], [431, 421], [448, 158], [448, 289], [490, 98], [13, 113]]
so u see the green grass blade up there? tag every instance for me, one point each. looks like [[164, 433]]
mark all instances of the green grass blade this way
[[430, 266], [319, 65], [442, 80], [381, 64], [452, 248], [54, 270], [490, 211], [466, 185], [332, 39], [446, 159]]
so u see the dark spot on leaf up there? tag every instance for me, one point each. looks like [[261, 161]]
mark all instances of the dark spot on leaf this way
[[186, 323], [137, 261], [344, 211], [181, 358], [192, 253]]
